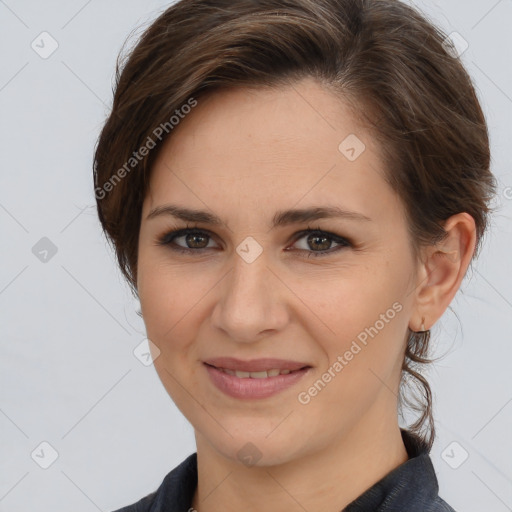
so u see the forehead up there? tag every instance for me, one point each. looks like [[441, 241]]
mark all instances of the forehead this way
[[252, 148]]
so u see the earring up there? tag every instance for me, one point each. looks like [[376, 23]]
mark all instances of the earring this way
[[422, 329]]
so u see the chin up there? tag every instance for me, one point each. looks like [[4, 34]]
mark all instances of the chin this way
[[257, 447]]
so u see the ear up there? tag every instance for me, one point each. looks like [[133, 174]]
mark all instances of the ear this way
[[442, 270]]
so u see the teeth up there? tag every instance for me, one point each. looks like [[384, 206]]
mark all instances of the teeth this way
[[256, 375]]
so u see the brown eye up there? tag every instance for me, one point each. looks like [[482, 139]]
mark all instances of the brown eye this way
[[319, 243], [193, 240], [196, 240]]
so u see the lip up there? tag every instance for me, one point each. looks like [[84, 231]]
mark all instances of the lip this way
[[255, 365], [253, 388]]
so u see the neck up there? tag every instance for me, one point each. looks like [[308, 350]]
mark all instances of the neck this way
[[325, 480]]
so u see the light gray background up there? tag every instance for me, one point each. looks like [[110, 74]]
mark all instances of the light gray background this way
[[68, 375]]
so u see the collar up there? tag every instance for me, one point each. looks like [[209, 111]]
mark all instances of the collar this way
[[413, 482]]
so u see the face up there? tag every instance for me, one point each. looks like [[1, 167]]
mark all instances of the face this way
[[329, 293]]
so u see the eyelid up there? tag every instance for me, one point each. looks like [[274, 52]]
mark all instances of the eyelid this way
[[169, 236], [341, 241]]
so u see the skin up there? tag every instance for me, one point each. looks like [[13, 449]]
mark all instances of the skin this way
[[245, 154]]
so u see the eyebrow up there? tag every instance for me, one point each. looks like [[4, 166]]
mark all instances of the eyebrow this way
[[281, 218]]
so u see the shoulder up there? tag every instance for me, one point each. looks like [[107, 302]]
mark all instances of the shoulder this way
[[143, 505], [175, 492], [439, 505], [411, 486]]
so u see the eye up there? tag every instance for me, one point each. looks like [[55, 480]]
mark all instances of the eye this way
[[322, 240], [197, 240]]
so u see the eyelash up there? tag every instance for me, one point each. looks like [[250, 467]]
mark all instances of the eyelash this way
[[167, 240]]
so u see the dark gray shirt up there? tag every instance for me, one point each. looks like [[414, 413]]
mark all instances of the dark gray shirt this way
[[411, 487]]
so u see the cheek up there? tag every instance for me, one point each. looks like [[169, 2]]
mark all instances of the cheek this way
[[360, 317], [167, 295], [363, 358], [173, 300], [168, 298], [342, 303]]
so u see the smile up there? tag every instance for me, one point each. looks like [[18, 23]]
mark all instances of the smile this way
[[258, 383], [256, 375]]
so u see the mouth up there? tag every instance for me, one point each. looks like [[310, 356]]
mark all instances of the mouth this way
[[263, 374], [266, 364], [258, 378]]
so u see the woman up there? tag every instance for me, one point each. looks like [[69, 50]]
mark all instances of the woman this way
[[295, 191]]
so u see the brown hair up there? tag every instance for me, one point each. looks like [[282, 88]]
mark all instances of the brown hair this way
[[382, 56]]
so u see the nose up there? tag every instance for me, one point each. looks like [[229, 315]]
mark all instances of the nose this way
[[251, 301]]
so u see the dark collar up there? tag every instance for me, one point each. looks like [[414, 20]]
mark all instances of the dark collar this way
[[411, 486]]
